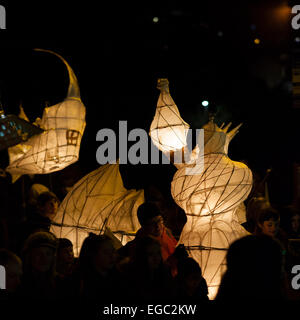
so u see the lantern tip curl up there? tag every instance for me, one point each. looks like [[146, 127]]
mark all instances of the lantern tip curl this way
[[73, 90]]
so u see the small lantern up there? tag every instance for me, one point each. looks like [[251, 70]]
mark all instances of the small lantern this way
[[168, 131], [58, 146]]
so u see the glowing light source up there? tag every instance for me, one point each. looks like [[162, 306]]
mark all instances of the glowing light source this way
[[155, 19], [211, 199], [256, 41], [205, 103], [58, 146], [96, 202], [168, 131]]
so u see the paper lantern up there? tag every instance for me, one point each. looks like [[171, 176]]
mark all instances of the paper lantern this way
[[210, 198], [168, 131], [58, 146], [20, 149], [99, 200], [205, 193]]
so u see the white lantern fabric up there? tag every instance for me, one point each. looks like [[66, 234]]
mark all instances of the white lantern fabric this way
[[210, 198], [58, 146], [98, 201], [168, 131]]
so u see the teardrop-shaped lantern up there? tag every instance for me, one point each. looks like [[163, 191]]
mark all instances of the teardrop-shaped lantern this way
[[168, 130]]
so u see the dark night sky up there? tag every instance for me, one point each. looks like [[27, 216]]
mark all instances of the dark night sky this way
[[118, 52]]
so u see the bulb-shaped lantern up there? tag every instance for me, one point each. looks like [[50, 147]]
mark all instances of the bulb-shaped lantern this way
[[58, 146], [168, 131], [210, 197]]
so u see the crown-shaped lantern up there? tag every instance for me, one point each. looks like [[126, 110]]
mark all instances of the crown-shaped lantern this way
[[221, 185], [210, 198], [217, 139]]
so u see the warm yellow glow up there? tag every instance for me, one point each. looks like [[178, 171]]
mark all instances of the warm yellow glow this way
[[168, 130], [283, 12], [169, 139], [211, 199], [58, 146], [256, 41], [96, 202]]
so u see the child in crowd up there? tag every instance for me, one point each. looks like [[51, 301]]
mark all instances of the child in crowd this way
[[65, 257], [39, 256]]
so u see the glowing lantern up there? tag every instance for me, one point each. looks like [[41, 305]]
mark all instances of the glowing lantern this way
[[98, 201], [211, 199], [205, 193], [168, 131], [58, 146]]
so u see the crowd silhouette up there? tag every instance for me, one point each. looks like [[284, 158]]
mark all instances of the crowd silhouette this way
[[153, 267]]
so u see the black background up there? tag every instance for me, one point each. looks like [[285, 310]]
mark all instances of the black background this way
[[118, 52]]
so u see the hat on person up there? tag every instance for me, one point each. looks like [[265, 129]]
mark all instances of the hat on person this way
[[146, 212], [64, 243], [35, 190], [44, 197], [40, 239]]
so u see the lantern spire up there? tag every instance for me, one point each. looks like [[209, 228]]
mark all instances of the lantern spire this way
[[211, 116], [73, 90], [233, 132], [163, 85]]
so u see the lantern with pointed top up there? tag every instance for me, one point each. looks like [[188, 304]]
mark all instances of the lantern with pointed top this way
[[97, 202], [58, 146], [222, 184], [210, 200], [210, 197], [168, 131]]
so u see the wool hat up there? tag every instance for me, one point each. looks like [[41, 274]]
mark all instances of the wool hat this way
[[64, 243], [146, 212], [40, 239], [35, 190]]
